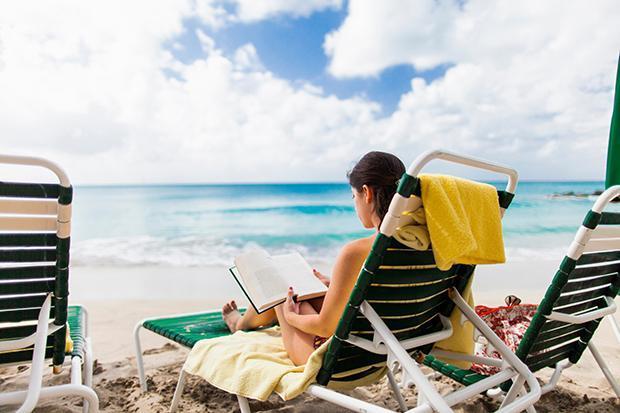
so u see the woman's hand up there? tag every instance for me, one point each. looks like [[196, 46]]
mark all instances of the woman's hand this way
[[322, 278], [290, 307]]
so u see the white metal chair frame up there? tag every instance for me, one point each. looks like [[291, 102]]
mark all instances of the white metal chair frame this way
[[398, 360], [601, 240], [615, 327], [81, 385]]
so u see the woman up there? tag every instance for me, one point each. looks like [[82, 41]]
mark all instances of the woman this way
[[306, 325]]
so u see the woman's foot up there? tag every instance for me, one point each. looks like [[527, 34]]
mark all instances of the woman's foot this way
[[231, 315]]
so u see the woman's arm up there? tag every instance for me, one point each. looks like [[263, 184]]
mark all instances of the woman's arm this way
[[346, 270]]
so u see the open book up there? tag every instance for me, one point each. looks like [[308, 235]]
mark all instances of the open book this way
[[265, 279]]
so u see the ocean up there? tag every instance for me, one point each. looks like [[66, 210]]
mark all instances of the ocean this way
[[202, 225]]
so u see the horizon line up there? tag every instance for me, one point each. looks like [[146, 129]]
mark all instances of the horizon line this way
[[240, 183]]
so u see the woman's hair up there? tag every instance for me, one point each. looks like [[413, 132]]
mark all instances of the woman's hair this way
[[381, 172]]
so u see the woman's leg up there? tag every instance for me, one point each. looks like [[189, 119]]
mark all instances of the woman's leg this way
[[248, 321], [316, 303], [298, 345]]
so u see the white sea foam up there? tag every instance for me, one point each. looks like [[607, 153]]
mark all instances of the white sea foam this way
[[187, 251], [522, 254], [194, 251]]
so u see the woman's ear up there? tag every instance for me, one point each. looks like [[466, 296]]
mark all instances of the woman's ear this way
[[367, 191]]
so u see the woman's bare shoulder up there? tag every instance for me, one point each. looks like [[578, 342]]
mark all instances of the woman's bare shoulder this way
[[351, 259], [358, 248]]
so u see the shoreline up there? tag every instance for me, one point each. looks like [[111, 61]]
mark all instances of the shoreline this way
[[119, 297], [528, 279]]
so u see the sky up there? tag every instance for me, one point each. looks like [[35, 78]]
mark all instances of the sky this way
[[218, 91]]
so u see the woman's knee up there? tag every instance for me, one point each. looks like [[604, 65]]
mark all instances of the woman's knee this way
[[300, 358], [306, 308]]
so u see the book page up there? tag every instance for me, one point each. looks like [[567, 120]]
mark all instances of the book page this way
[[271, 283], [246, 265], [261, 277], [298, 274]]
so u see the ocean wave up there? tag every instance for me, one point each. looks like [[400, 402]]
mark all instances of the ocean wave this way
[[538, 230], [293, 209], [521, 254], [190, 251], [196, 251]]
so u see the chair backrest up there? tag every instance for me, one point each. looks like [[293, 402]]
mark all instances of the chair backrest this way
[[403, 286], [34, 258], [583, 289]]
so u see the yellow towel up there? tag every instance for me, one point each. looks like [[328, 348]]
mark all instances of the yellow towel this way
[[68, 341], [414, 235], [255, 364], [465, 227], [464, 221], [462, 338], [418, 216]]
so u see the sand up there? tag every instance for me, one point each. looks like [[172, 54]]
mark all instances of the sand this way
[[158, 291]]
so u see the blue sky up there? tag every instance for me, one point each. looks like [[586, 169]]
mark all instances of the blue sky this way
[[292, 49]]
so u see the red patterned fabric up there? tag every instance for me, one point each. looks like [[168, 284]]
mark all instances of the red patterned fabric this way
[[509, 323], [318, 341]]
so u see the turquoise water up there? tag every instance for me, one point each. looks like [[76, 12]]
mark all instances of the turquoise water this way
[[191, 225]]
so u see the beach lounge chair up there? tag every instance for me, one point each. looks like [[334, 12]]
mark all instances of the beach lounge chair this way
[[400, 304], [35, 225], [581, 294]]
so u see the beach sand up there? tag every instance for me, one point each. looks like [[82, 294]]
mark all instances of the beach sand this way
[[118, 297]]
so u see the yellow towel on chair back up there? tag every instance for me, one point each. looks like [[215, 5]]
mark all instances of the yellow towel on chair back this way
[[463, 219], [465, 227]]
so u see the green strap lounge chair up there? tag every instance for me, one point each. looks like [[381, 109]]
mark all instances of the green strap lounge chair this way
[[581, 294], [35, 225], [401, 303]]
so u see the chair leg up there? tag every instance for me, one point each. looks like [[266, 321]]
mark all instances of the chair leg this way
[[555, 377], [421, 399], [139, 360], [604, 368], [38, 358], [530, 409], [54, 393], [178, 392], [90, 399], [514, 391], [614, 326], [396, 390], [244, 405], [88, 370]]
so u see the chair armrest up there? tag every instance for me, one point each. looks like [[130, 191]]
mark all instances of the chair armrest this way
[[584, 318]]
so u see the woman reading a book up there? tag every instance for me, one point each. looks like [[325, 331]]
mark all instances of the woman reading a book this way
[[306, 325]]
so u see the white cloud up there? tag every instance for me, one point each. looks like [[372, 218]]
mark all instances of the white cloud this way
[[89, 85], [377, 35], [523, 75], [219, 13], [206, 42], [246, 57], [94, 96], [252, 10], [212, 13]]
